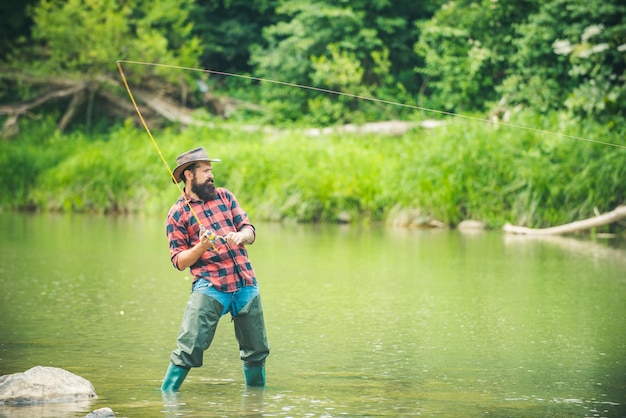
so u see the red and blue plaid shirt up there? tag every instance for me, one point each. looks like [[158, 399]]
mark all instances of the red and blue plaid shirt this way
[[229, 268]]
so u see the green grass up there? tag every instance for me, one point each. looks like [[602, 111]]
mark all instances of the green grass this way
[[463, 170]]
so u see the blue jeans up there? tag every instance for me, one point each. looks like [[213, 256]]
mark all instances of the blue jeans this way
[[232, 302]]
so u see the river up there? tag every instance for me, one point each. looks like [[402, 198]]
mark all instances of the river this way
[[362, 321]]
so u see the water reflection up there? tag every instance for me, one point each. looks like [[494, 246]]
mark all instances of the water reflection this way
[[252, 402], [177, 404], [48, 410], [583, 247]]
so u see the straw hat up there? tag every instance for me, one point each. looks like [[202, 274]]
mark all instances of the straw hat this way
[[185, 159]]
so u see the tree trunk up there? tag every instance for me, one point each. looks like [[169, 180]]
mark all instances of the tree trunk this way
[[604, 219], [78, 99]]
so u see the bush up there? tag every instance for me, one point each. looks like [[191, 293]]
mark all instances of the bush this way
[[463, 170]]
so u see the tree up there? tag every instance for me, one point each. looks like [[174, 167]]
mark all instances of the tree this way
[[556, 55], [74, 46], [14, 23], [466, 48], [228, 29], [357, 47], [572, 55]]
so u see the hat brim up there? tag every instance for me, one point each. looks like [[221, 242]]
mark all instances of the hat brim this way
[[176, 174]]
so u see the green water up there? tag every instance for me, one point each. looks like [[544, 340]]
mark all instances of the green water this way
[[362, 321]]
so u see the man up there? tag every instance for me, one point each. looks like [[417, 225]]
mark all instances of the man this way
[[207, 232]]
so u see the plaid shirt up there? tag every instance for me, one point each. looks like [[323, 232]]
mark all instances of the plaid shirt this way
[[228, 269]]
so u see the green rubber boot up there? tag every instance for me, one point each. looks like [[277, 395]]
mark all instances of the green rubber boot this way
[[174, 378], [255, 375]]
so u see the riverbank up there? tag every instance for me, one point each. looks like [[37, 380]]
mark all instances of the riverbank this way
[[461, 170]]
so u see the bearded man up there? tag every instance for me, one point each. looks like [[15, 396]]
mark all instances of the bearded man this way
[[207, 232]]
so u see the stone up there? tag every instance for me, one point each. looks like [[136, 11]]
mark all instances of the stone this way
[[101, 413], [471, 225], [43, 384], [344, 217]]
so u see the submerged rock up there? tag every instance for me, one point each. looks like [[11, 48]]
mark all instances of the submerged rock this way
[[101, 413], [44, 384]]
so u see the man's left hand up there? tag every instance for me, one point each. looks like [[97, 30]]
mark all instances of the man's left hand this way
[[243, 237]]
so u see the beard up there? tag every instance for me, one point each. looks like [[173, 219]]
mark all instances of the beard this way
[[205, 191]]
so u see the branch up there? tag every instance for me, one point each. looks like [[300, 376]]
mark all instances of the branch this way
[[10, 127], [77, 101], [604, 219], [36, 80], [20, 109], [167, 108]]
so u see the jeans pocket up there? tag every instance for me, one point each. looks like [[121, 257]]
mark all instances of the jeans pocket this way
[[201, 285]]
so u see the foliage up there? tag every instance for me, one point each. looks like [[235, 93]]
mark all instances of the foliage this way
[[571, 54], [14, 24], [463, 170], [562, 61], [81, 39], [466, 48], [557, 55], [228, 29], [462, 56], [21, 164], [361, 48]]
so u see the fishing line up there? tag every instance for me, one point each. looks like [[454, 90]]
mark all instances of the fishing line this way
[[355, 96]]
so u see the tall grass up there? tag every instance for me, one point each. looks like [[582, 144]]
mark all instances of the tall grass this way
[[463, 170]]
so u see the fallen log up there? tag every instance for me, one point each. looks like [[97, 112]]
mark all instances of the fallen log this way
[[15, 111], [603, 219]]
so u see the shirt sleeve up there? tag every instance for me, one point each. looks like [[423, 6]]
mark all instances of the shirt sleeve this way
[[176, 233]]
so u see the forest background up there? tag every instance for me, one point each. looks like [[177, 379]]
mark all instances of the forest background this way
[[527, 99]]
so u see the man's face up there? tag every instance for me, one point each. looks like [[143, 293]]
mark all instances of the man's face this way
[[202, 181]]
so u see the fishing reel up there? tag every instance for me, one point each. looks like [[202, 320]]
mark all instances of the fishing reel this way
[[211, 236]]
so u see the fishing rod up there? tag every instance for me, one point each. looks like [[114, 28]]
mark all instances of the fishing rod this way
[[209, 234], [366, 98]]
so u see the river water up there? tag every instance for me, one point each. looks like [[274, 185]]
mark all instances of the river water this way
[[369, 321]]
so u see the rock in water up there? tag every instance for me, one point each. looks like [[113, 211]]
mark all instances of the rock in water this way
[[101, 413], [44, 384], [471, 225]]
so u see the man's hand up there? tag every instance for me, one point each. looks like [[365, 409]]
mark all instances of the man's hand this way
[[188, 257], [243, 237]]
